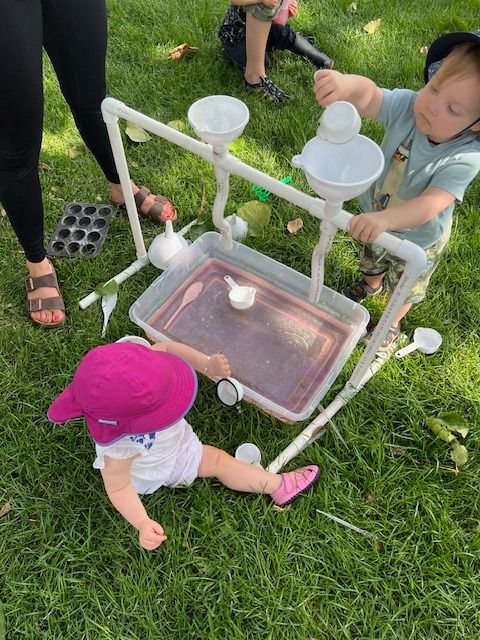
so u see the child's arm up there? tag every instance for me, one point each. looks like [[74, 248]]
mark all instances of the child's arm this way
[[292, 8], [119, 488], [214, 365], [363, 93], [413, 213]]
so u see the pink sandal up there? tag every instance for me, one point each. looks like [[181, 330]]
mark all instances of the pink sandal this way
[[291, 488]]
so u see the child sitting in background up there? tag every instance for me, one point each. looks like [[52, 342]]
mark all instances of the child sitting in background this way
[[432, 153], [134, 399], [247, 33]]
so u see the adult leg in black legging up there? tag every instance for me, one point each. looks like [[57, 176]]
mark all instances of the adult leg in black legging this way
[[74, 33]]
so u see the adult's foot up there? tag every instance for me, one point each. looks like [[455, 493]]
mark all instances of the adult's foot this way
[[149, 204], [44, 316]]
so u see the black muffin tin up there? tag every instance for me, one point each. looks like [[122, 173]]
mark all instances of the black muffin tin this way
[[81, 231]]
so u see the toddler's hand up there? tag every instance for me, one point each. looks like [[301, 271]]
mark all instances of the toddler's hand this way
[[150, 534], [292, 8], [368, 226], [218, 365], [329, 86], [270, 3]]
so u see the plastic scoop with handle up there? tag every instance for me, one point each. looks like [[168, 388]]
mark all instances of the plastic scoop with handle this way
[[241, 297], [425, 340]]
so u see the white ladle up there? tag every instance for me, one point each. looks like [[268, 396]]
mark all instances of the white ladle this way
[[241, 297], [426, 341]]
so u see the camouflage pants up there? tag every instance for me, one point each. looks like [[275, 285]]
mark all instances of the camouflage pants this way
[[262, 12], [376, 260]]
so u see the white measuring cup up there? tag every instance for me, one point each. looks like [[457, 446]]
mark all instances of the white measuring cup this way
[[249, 453], [241, 297], [135, 340], [229, 391], [425, 340]]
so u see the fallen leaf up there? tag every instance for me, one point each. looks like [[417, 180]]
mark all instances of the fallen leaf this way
[[44, 166], [256, 215], [459, 454], [107, 288], [372, 26], [3, 213], [179, 125], [424, 50], [136, 133], [181, 50], [277, 507], [5, 509], [295, 225], [352, 8], [74, 151]]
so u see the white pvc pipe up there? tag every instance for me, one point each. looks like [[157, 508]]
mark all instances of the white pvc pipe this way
[[111, 108], [323, 246], [218, 211], [122, 169], [119, 278], [317, 427]]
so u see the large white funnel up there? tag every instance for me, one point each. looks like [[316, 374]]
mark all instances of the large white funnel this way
[[339, 172]]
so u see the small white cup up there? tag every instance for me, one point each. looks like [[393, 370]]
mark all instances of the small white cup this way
[[250, 453], [135, 340], [229, 391], [339, 123]]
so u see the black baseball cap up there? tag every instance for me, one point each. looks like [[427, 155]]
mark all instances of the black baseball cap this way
[[442, 46]]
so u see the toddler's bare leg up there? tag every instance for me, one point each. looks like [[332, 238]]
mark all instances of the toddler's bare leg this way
[[256, 44], [236, 474], [374, 281]]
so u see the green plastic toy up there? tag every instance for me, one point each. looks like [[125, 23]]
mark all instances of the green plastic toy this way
[[262, 194]]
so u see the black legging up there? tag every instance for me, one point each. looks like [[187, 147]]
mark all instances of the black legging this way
[[74, 34]]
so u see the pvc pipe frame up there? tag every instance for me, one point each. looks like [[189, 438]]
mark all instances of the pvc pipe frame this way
[[332, 215]]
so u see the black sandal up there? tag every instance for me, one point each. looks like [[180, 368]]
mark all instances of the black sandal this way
[[269, 90], [390, 339], [360, 290]]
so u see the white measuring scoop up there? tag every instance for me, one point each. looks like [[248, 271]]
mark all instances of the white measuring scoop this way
[[241, 297], [425, 340]]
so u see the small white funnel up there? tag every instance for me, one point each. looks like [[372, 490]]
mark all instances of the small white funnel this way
[[239, 226], [218, 120], [166, 246]]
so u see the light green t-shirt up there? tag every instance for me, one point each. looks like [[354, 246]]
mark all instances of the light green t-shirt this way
[[450, 165]]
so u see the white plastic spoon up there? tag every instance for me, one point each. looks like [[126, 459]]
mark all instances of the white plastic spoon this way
[[191, 293]]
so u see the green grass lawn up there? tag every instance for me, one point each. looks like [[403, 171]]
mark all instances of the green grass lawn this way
[[233, 567]]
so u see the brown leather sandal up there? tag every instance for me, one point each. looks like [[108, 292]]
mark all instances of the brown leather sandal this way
[[55, 303], [160, 211]]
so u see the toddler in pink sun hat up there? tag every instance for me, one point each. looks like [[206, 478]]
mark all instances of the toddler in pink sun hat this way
[[134, 400]]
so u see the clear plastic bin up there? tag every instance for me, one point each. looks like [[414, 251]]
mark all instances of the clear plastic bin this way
[[285, 351]]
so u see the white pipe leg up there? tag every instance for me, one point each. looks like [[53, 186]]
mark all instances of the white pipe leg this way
[[119, 278], [316, 428], [122, 170]]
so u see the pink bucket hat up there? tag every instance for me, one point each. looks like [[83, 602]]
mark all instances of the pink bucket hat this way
[[126, 388]]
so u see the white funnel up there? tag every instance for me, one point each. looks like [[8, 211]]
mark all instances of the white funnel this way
[[218, 120], [340, 164], [339, 172], [166, 246]]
